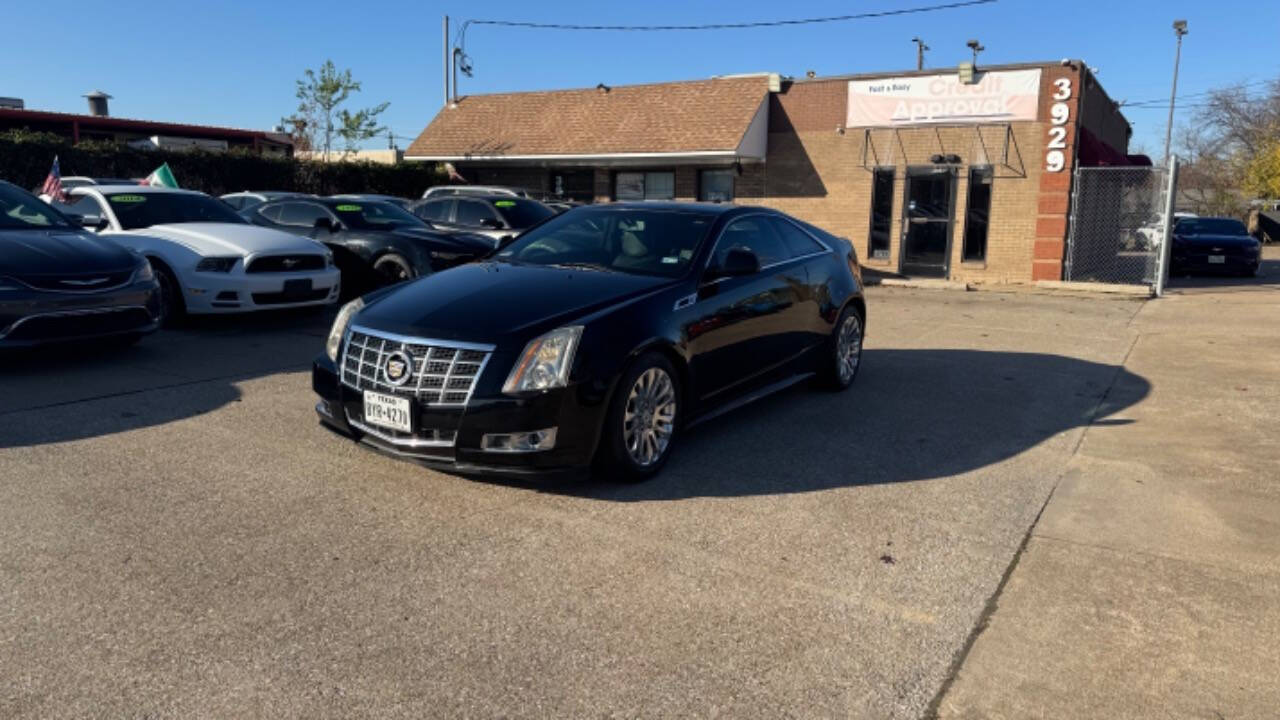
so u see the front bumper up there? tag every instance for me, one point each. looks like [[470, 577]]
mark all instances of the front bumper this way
[[450, 438], [236, 292], [37, 317], [1233, 262]]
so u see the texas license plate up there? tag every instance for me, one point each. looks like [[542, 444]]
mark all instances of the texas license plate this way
[[1217, 259], [387, 411]]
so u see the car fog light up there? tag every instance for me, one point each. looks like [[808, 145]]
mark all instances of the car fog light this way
[[521, 442]]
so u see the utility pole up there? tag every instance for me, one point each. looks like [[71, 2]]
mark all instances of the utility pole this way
[[446, 60], [920, 48], [1179, 29]]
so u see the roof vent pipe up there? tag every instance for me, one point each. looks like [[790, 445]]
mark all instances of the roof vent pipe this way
[[98, 103]]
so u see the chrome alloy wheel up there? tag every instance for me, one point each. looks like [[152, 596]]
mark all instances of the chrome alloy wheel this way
[[849, 347], [649, 417]]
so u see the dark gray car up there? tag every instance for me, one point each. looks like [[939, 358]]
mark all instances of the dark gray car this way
[[495, 216]]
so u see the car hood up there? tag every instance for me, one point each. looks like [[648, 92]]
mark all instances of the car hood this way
[[231, 238], [61, 251], [491, 302], [1223, 241], [453, 242]]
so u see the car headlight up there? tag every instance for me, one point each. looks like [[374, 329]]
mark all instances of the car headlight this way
[[144, 272], [340, 325], [216, 264], [545, 362]]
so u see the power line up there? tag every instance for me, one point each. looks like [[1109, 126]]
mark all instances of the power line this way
[[730, 26], [1164, 102]]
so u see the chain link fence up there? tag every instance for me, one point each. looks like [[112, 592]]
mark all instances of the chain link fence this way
[[1118, 225]]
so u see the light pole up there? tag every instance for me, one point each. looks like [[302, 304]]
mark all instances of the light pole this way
[[920, 48], [1179, 29], [976, 47]]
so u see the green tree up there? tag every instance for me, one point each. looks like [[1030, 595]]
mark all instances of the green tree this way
[[319, 119]]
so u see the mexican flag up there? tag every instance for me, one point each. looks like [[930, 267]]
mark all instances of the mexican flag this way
[[161, 177]]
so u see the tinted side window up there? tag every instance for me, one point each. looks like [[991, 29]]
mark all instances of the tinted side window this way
[[797, 242], [472, 212], [434, 210], [271, 211], [754, 234], [301, 214], [83, 205], [235, 202]]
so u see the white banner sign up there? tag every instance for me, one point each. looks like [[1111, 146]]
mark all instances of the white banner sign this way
[[920, 100]]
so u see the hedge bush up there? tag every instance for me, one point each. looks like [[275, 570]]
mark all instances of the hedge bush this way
[[25, 158]]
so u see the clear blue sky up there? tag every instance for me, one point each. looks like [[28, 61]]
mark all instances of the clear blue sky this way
[[234, 62]]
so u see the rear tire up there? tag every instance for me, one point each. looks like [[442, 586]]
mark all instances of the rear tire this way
[[844, 350], [392, 268], [643, 419]]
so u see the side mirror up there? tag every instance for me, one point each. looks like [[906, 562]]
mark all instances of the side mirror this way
[[491, 223], [93, 222], [738, 262], [327, 225]]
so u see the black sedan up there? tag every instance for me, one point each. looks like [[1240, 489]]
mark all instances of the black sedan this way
[[59, 282], [373, 243], [1214, 245], [594, 338]]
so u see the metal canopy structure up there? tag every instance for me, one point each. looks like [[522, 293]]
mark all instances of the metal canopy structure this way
[[997, 147]]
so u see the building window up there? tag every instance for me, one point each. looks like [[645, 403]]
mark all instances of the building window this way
[[881, 213], [715, 185], [976, 216], [645, 186]]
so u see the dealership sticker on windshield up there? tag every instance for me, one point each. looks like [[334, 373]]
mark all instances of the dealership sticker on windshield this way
[[128, 199], [505, 203], [348, 208], [670, 260]]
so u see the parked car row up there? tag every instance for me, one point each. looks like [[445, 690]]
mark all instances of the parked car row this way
[[202, 256]]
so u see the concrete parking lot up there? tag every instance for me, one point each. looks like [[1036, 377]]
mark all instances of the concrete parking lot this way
[[1027, 506]]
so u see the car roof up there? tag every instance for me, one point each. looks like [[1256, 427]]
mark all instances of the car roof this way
[[675, 206], [138, 189], [268, 193]]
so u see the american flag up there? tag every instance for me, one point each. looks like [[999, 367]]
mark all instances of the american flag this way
[[53, 184]]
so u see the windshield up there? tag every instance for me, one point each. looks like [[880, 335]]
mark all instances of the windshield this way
[[638, 241], [144, 209], [521, 213], [1210, 226], [20, 210], [374, 215]]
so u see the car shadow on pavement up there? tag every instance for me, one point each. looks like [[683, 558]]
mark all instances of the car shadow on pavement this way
[[1268, 279], [172, 375], [911, 415]]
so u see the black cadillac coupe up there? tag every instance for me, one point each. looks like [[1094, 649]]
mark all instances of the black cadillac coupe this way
[[373, 243], [59, 282], [595, 337]]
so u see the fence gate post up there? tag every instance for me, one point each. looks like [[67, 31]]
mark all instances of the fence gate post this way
[[1072, 225], [1166, 239]]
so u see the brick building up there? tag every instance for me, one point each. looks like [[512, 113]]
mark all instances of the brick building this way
[[930, 173]]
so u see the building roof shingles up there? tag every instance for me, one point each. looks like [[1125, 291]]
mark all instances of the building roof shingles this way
[[681, 117]]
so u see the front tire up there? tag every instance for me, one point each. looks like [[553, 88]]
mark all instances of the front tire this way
[[172, 307], [640, 430], [844, 350], [392, 268]]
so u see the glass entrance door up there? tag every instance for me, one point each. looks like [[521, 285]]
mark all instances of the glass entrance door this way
[[926, 233]]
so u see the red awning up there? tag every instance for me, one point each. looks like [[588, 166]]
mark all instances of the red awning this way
[[1093, 152]]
